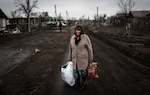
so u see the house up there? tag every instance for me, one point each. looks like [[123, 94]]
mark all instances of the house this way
[[3, 21], [139, 14], [21, 23], [141, 20], [119, 19]]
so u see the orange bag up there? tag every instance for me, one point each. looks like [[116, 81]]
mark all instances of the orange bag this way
[[92, 71]]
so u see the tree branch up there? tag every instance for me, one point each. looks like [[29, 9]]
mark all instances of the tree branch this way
[[126, 6]]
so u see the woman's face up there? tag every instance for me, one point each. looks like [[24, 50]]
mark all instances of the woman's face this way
[[78, 32]]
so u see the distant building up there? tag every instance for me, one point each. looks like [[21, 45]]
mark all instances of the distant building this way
[[43, 15], [22, 23], [38, 14], [138, 15], [3, 20], [141, 20], [24, 20]]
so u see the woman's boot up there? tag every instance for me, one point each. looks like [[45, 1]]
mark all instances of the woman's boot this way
[[83, 85], [77, 83]]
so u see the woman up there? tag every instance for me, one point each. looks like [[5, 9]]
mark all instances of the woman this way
[[81, 53]]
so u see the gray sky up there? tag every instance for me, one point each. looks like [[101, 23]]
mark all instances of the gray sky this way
[[76, 8]]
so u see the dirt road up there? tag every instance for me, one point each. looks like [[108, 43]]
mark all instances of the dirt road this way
[[39, 73]]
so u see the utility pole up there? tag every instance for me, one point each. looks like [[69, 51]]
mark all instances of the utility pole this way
[[28, 16], [97, 11], [97, 17], [88, 19], [67, 15], [55, 13]]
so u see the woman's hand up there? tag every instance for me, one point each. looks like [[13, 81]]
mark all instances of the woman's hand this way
[[90, 60]]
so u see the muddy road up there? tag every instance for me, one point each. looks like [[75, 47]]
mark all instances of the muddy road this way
[[27, 71]]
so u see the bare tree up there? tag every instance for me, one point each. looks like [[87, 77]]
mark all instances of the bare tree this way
[[26, 6], [131, 5], [126, 5]]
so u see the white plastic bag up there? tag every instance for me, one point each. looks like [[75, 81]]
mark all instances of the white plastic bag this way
[[67, 73]]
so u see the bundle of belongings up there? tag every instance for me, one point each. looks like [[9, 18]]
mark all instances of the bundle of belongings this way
[[92, 71], [67, 73]]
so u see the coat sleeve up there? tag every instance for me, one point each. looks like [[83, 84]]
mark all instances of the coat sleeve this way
[[70, 52], [90, 49]]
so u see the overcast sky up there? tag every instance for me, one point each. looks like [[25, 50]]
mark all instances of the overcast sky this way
[[76, 8]]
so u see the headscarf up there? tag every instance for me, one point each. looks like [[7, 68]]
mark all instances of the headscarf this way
[[78, 37]]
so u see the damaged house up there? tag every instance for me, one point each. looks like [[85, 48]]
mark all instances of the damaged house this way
[[3, 21], [141, 21]]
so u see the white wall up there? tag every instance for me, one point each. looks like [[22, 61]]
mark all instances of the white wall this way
[[2, 23]]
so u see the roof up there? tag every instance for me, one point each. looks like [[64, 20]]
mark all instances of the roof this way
[[140, 13], [121, 14], [2, 14]]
